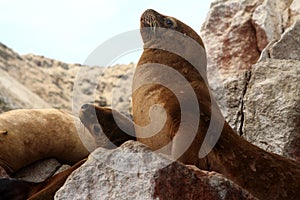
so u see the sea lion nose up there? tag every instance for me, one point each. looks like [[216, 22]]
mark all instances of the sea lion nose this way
[[85, 106]]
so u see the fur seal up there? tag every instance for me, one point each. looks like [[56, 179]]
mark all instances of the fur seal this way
[[105, 125], [264, 174], [28, 135]]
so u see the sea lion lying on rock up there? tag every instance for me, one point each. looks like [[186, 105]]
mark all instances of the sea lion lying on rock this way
[[265, 175], [28, 135], [95, 118]]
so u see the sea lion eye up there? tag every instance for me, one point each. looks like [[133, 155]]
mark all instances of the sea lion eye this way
[[96, 129], [169, 22]]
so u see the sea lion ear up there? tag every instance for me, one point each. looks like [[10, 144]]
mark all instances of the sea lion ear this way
[[97, 130]]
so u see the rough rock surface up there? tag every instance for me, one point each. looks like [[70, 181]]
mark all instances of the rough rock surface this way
[[288, 47], [272, 107], [235, 33], [32, 81], [133, 172], [38, 171], [238, 34], [14, 95], [231, 46]]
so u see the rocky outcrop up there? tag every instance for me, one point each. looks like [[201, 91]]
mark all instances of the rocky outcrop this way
[[272, 109], [235, 33], [15, 95], [32, 81], [231, 45], [239, 34], [134, 172]]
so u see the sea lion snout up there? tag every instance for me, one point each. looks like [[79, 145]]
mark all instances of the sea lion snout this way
[[103, 123]]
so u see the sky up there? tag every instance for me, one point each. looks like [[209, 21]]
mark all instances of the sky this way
[[70, 30]]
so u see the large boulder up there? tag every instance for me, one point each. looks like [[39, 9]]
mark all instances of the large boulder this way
[[132, 171], [272, 107], [257, 96], [235, 33]]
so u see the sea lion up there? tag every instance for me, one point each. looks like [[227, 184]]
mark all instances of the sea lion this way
[[102, 123], [106, 124], [265, 175], [28, 135]]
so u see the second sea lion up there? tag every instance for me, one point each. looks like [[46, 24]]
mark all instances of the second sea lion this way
[[105, 125], [28, 135]]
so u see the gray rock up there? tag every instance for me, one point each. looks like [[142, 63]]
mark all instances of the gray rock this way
[[61, 84], [15, 95], [272, 107], [288, 47], [62, 168], [38, 171], [134, 172], [267, 20], [293, 12]]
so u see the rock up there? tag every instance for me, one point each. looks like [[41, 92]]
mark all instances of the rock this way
[[115, 85], [231, 45], [110, 86], [293, 13], [267, 20], [62, 168], [14, 95], [132, 171], [272, 107], [38, 171], [235, 33], [53, 82], [288, 47]]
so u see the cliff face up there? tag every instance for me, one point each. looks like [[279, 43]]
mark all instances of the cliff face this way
[[32, 81], [253, 68]]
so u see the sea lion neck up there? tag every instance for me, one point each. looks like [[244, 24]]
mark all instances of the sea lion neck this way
[[167, 35]]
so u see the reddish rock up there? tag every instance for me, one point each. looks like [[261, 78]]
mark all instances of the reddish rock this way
[[133, 171]]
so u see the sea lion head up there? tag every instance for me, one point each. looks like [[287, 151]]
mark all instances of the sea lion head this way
[[155, 26], [161, 34], [107, 126]]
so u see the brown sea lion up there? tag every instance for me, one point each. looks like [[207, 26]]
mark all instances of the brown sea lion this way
[[265, 175], [106, 124], [28, 135]]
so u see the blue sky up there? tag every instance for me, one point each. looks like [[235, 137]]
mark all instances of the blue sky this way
[[69, 30]]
